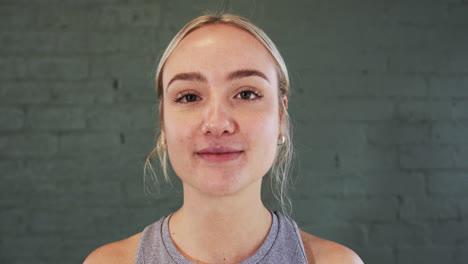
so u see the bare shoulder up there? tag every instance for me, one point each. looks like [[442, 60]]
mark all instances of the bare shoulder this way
[[322, 251], [123, 251]]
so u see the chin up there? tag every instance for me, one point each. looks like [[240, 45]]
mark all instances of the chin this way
[[222, 184]]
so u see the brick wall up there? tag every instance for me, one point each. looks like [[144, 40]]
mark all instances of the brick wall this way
[[379, 104]]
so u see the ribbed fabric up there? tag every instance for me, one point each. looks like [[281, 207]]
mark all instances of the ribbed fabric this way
[[283, 244]]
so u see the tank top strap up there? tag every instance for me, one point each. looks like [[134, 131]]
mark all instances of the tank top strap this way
[[151, 247]]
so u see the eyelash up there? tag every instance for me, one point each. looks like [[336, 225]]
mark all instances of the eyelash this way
[[185, 94]]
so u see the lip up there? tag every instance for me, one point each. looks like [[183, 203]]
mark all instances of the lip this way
[[219, 154]]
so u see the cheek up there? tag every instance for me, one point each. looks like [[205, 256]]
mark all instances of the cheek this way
[[262, 128], [178, 132]]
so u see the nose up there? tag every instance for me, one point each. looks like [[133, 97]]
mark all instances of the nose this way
[[218, 119]]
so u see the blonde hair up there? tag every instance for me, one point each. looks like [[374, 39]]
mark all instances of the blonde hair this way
[[282, 163]]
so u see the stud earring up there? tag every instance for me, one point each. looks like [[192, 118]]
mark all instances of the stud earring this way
[[163, 143], [281, 141]]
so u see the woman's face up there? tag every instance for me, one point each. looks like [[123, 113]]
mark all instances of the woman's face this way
[[221, 114]]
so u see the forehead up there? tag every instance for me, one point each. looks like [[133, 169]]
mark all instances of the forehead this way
[[218, 49]]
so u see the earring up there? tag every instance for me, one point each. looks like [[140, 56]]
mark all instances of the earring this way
[[281, 141], [163, 143]]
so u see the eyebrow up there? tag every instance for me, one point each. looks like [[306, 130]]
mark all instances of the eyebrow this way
[[196, 76], [246, 73], [188, 76]]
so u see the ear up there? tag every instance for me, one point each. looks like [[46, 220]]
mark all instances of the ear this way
[[161, 115], [284, 100]]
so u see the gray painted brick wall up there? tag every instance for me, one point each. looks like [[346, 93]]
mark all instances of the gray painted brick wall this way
[[379, 105]]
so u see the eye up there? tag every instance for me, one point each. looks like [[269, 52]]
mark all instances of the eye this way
[[187, 98], [249, 95]]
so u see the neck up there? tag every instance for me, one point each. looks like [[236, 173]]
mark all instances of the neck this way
[[226, 229]]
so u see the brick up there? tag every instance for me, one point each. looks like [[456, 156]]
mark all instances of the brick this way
[[121, 117], [343, 110], [9, 168], [309, 206], [448, 183], [384, 183], [40, 247], [317, 184], [56, 118], [53, 170], [463, 207], [421, 61], [457, 62], [84, 17], [346, 160], [413, 14], [141, 40], [184, 13], [12, 67], [366, 210], [58, 68], [424, 111], [88, 42], [348, 235], [335, 61], [461, 255], [14, 221], [437, 40], [456, 15], [57, 92], [108, 66], [78, 144], [428, 209], [428, 254], [21, 42], [426, 157], [451, 133], [13, 92], [398, 234], [367, 158], [295, 12], [82, 92], [363, 84], [321, 159], [139, 143], [323, 135], [15, 193], [75, 193], [140, 15], [28, 145], [460, 110], [16, 17], [461, 156], [449, 233], [135, 90], [11, 118], [348, 210], [52, 221], [396, 133], [448, 86], [78, 169]]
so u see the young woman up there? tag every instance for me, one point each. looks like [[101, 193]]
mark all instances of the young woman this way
[[223, 90]]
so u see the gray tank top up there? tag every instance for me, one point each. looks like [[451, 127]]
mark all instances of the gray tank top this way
[[282, 245]]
